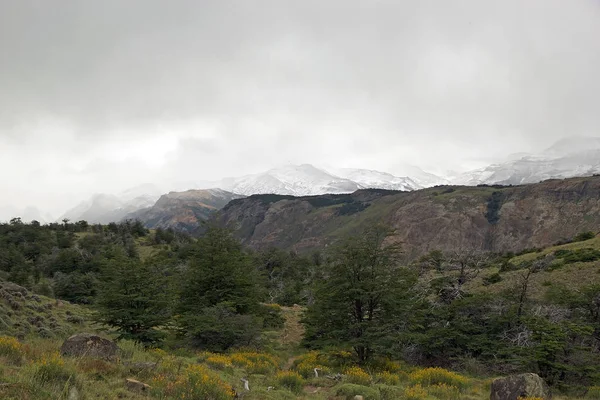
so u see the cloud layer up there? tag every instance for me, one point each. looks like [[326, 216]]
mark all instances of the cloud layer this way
[[100, 96]]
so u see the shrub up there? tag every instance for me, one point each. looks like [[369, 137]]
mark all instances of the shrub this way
[[306, 364], [490, 280], [390, 392], [51, 370], [219, 361], [340, 359], [415, 393], [388, 378], [255, 363], [582, 255], [271, 316], [196, 382], [583, 236], [291, 380], [435, 376], [11, 349], [358, 376], [349, 390], [593, 393], [444, 392]]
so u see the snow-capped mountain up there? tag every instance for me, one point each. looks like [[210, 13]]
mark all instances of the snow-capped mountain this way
[[377, 180], [567, 158], [422, 178], [296, 180], [307, 180]]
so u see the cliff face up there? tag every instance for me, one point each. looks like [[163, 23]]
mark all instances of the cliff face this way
[[445, 218]]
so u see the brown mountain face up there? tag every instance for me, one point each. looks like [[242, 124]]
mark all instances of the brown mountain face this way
[[442, 218], [184, 211]]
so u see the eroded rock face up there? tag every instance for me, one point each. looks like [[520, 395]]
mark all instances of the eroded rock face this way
[[89, 345], [524, 385], [497, 219]]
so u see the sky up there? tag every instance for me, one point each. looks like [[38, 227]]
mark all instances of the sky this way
[[100, 96]]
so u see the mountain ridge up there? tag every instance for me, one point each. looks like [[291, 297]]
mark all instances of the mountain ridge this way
[[485, 218]]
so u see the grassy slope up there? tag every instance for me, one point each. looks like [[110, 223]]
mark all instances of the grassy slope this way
[[572, 276]]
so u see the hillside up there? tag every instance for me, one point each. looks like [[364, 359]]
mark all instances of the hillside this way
[[497, 219]]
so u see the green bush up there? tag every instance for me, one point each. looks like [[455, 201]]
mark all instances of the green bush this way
[[490, 280], [579, 255], [583, 236], [290, 380], [387, 392], [349, 390]]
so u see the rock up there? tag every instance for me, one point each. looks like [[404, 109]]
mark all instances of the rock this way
[[137, 367], [515, 386], [89, 345], [136, 386], [358, 397], [74, 394]]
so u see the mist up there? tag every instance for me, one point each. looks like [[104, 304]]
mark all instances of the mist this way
[[99, 97]]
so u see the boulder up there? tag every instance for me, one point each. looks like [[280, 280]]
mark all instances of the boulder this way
[[515, 386], [136, 386], [138, 367], [89, 345]]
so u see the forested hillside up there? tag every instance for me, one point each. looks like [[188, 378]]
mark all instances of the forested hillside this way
[[367, 315]]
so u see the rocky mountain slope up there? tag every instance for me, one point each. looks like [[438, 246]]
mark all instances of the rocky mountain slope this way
[[444, 218], [183, 211]]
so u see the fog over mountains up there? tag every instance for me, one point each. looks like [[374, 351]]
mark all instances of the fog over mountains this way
[[577, 156]]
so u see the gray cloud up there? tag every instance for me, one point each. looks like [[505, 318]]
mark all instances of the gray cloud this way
[[99, 96]]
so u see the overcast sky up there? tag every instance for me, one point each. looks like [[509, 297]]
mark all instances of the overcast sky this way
[[98, 96]]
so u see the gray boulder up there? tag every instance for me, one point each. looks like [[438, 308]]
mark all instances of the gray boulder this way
[[515, 386], [89, 345]]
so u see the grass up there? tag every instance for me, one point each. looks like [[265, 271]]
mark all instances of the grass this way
[[44, 374]]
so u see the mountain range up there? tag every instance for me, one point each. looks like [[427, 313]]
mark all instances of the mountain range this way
[[571, 157]]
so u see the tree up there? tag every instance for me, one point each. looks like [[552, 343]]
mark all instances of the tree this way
[[220, 285], [364, 302], [135, 298], [464, 267]]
